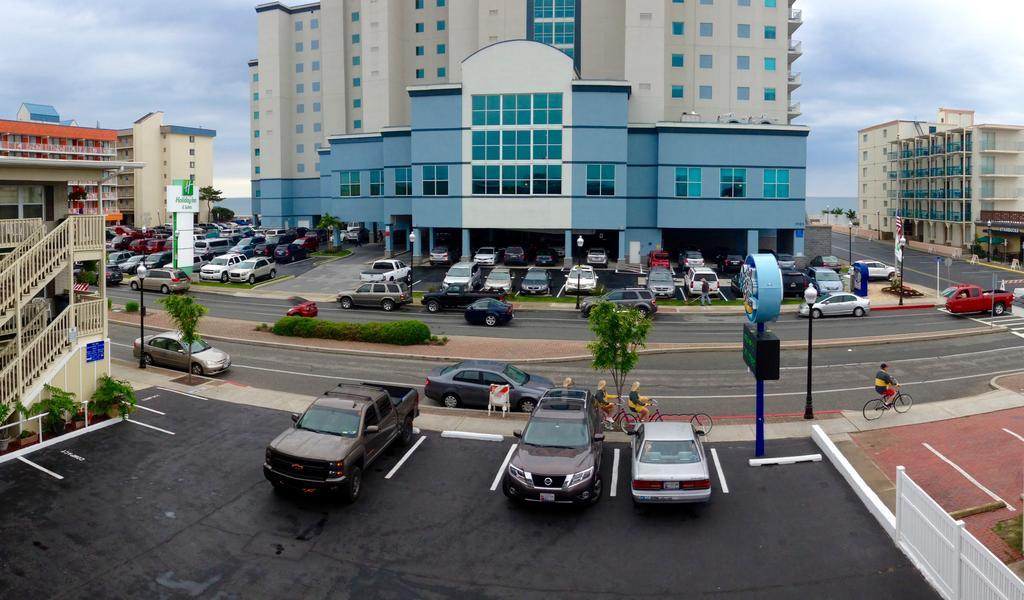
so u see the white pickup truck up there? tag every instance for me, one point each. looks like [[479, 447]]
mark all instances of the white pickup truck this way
[[387, 270]]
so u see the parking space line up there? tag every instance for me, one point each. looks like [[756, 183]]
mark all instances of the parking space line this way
[[395, 468], [150, 426], [504, 465], [152, 410], [41, 468], [615, 474], [967, 476], [1016, 435], [149, 397], [718, 468], [182, 393]]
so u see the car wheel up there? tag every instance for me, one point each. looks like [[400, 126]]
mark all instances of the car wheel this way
[[165, 290], [595, 491], [135, 285], [490, 320], [527, 405], [858, 312], [197, 369], [433, 306], [350, 493], [148, 359], [391, 278], [644, 312], [892, 276], [816, 313], [405, 434], [408, 278], [998, 309], [273, 273], [346, 303], [388, 304], [586, 313], [450, 400], [224, 277], [252, 279]]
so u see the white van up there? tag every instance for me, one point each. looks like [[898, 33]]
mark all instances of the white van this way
[[211, 247]]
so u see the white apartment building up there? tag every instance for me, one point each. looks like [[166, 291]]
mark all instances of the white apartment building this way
[[169, 152], [953, 182], [695, 60]]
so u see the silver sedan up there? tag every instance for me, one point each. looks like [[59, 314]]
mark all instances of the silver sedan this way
[[166, 349], [669, 464], [837, 304]]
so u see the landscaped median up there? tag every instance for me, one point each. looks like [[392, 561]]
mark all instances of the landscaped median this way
[[400, 333]]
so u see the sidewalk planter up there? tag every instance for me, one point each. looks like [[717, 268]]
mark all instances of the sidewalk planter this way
[[78, 422], [402, 333], [27, 438]]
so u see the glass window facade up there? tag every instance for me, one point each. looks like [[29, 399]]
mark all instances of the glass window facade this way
[[769, 63], [515, 145], [600, 179], [769, 32], [733, 183], [515, 109], [486, 180], [349, 184], [776, 183], [403, 181], [678, 28], [547, 179], [743, 93], [688, 182], [742, 63], [486, 145], [707, 29], [706, 61], [743, 30], [678, 60], [547, 144], [554, 23], [377, 182], [677, 91], [769, 94], [515, 180], [705, 92], [435, 180]]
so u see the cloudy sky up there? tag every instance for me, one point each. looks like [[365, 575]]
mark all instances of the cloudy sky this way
[[111, 61]]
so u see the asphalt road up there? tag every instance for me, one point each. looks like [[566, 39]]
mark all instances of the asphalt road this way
[[717, 383], [919, 267], [141, 513], [569, 325]]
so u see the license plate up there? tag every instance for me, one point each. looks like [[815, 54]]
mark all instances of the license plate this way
[[671, 485], [547, 497]]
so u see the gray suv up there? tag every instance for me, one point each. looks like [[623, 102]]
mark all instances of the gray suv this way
[[388, 296], [468, 383], [558, 459], [641, 299]]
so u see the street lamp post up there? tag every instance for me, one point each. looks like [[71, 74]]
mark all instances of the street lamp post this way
[[810, 296], [412, 260], [579, 244], [140, 274], [878, 223], [903, 249], [989, 223]]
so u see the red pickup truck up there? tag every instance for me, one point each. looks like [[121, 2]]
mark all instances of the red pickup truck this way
[[972, 299]]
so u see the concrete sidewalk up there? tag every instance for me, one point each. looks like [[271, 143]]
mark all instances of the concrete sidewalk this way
[[436, 418]]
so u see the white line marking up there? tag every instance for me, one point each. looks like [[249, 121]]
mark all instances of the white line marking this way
[[405, 457], [150, 409], [615, 474], [43, 469], [182, 393], [149, 397], [150, 426], [784, 460], [504, 465], [968, 477], [1016, 435], [718, 467], [472, 435]]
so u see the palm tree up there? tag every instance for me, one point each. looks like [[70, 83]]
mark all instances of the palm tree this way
[[329, 221], [851, 216]]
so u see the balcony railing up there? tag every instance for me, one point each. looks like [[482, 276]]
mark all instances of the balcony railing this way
[[796, 47], [794, 79], [954, 216], [906, 173], [1008, 170], [1002, 146], [921, 173], [796, 15], [922, 151], [14, 231], [892, 174], [954, 170], [906, 153], [938, 150], [794, 109], [936, 172], [892, 155], [938, 194], [57, 149], [953, 147], [954, 194]]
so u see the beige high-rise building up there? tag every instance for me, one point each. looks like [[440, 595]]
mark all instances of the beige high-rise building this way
[[169, 152], [699, 60], [952, 181]]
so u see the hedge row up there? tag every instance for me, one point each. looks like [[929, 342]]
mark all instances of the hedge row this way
[[402, 333]]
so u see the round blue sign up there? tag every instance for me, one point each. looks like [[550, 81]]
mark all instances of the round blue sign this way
[[762, 288]]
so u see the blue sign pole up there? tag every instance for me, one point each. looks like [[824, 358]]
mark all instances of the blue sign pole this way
[[759, 427]]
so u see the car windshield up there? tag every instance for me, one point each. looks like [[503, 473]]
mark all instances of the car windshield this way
[[485, 251], [535, 277], [220, 260], [948, 292], [735, 257], [661, 255], [499, 276], [826, 275], [669, 452], [597, 251], [273, 239], [705, 276], [440, 250], [458, 272], [247, 264], [829, 259], [322, 419], [659, 277], [199, 346], [518, 377], [690, 254], [556, 433], [514, 250], [786, 257]]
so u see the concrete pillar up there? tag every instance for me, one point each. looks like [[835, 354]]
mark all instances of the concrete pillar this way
[[623, 257], [431, 246], [753, 241], [417, 246], [388, 251], [798, 242], [466, 252], [568, 248]]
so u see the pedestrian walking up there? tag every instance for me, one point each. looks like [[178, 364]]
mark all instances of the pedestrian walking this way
[[705, 292]]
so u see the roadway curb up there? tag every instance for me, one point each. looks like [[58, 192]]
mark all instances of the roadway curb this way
[[721, 347], [904, 307]]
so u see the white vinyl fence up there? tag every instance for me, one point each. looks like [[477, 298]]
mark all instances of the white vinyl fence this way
[[954, 561]]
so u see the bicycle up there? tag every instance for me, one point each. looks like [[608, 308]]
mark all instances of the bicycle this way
[[874, 408], [626, 420]]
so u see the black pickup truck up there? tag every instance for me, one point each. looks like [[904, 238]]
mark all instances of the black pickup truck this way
[[339, 436], [457, 296]]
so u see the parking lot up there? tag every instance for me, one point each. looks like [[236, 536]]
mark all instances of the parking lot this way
[[184, 511]]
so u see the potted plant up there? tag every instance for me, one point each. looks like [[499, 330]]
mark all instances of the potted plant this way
[[78, 421], [59, 407], [27, 438], [113, 394], [5, 434]]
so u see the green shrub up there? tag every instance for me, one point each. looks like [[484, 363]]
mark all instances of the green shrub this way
[[110, 303], [131, 306], [402, 333]]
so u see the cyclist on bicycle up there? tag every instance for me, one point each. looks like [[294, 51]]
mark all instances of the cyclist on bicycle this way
[[603, 402], [636, 403], [885, 384]]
